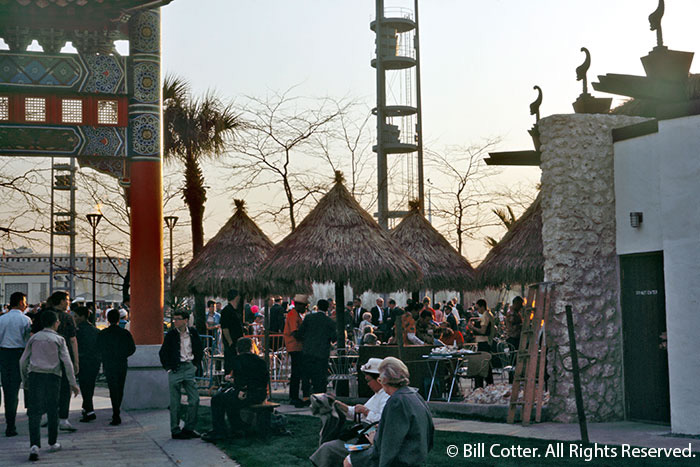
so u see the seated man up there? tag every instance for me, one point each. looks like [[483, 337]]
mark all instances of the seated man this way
[[332, 453], [425, 328], [250, 378]]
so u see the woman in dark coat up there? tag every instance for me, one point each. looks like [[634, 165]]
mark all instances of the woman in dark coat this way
[[405, 432]]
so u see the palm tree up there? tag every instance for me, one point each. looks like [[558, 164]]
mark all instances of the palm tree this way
[[507, 218], [195, 130]]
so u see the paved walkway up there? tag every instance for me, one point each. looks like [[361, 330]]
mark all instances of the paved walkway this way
[[143, 439]]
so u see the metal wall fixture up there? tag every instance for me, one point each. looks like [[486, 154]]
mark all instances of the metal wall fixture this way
[[636, 219]]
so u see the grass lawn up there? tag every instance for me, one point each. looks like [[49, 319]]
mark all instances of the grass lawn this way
[[295, 450]]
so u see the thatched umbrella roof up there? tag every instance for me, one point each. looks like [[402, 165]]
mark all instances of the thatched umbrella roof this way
[[230, 260], [339, 241], [443, 267], [517, 258]]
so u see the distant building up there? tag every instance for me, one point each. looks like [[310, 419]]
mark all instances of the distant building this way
[[22, 270]]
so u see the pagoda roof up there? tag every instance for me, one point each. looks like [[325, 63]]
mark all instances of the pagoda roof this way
[[69, 14]]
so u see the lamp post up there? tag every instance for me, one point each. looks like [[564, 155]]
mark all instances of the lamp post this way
[[170, 221], [94, 219]]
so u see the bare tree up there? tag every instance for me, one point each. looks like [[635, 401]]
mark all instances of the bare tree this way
[[462, 193], [279, 131]]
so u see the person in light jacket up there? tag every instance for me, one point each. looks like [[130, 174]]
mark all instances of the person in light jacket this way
[[41, 371]]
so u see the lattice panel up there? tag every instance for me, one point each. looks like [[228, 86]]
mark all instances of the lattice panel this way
[[107, 112], [35, 109], [4, 108], [72, 111]]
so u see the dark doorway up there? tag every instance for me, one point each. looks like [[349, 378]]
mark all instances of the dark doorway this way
[[643, 322]]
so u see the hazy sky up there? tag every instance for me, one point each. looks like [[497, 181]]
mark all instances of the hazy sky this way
[[480, 60]]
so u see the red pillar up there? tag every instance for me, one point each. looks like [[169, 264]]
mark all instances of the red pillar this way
[[146, 200], [146, 197]]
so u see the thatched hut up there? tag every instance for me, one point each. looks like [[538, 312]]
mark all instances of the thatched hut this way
[[517, 258], [340, 242], [230, 260], [443, 267]]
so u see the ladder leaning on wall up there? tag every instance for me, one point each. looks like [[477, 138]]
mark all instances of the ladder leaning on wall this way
[[530, 367]]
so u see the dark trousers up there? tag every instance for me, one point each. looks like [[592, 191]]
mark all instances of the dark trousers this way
[[116, 376], [86, 380], [297, 377], [11, 379], [43, 397], [64, 397], [478, 380], [317, 371], [226, 403], [229, 354]]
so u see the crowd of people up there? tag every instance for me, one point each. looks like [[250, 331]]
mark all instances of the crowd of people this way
[[53, 351]]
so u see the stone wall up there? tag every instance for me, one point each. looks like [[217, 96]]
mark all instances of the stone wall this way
[[578, 237]]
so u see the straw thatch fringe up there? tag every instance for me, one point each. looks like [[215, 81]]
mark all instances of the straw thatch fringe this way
[[230, 260], [517, 258], [443, 267], [339, 242]]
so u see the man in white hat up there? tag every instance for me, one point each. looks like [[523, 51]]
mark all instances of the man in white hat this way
[[332, 453]]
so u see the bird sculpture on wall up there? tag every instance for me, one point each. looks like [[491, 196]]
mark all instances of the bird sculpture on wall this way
[[582, 69], [535, 106], [655, 23]]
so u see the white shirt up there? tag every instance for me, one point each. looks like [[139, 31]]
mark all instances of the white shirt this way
[[375, 405], [455, 313], [186, 354], [381, 314]]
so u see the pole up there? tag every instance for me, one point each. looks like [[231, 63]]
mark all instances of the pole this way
[[170, 222], [94, 268], [382, 172], [419, 119], [170, 272], [94, 220], [340, 312], [266, 340], [577, 379]]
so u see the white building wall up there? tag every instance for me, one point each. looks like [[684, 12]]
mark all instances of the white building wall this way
[[659, 175]]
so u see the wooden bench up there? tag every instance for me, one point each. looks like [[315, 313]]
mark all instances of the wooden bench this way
[[261, 415]]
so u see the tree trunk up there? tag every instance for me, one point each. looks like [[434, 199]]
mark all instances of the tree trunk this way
[[195, 195]]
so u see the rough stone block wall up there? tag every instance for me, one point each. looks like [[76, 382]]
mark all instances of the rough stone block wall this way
[[578, 237]]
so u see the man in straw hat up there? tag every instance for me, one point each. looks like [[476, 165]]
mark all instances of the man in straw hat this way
[[332, 453], [294, 349]]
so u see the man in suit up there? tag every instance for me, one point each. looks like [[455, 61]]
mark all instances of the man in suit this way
[[89, 354], [378, 313], [181, 355], [316, 333], [115, 345], [357, 312], [277, 316]]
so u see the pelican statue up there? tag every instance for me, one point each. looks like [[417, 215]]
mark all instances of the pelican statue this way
[[535, 106], [582, 69], [655, 23]]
